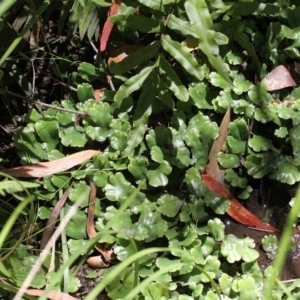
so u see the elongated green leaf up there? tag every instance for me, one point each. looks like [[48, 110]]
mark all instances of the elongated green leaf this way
[[200, 19], [164, 96], [94, 28], [141, 114], [182, 27], [14, 186], [132, 84], [102, 3], [183, 56], [155, 4], [135, 59], [172, 81], [135, 22], [245, 42], [88, 20]]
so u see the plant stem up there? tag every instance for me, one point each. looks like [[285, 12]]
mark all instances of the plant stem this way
[[5, 6], [283, 248]]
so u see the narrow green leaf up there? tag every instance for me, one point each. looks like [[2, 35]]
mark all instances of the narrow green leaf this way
[[245, 42], [141, 114], [182, 27], [172, 81], [155, 4], [135, 59], [139, 23], [132, 84], [13, 186], [102, 3], [200, 19], [243, 8], [218, 81], [163, 98], [94, 27], [183, 56], [87, 15]]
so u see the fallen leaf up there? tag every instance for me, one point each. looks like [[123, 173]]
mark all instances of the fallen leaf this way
[[53, 218], [278, 79], [108, 26], [51, 167], [212, 167], [53, 295], [236, 211], [96, 262]]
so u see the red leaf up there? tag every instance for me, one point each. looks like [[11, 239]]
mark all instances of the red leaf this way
[[108, 26], [236, 211], [212, 168]]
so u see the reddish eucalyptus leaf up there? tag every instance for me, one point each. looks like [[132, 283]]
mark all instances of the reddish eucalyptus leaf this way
[[108, 26], [279, 78], [236, 211], [51, 167], [101, 261], [212, 167]]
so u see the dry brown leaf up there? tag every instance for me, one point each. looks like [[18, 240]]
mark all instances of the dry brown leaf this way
[[237, 211], [53, 218], [53, 295], [96, 261], [278, 79], [212, 167], [51, 167]]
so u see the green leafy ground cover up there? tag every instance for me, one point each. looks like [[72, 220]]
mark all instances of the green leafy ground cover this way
[[155, 131]]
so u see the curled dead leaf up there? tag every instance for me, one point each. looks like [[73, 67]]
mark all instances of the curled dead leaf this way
[[96, 262], [278, 79]]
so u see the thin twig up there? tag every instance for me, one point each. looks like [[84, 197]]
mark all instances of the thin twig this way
[[4, 129], [38, 102], [16, 95], [60, 82], [61, 108]]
